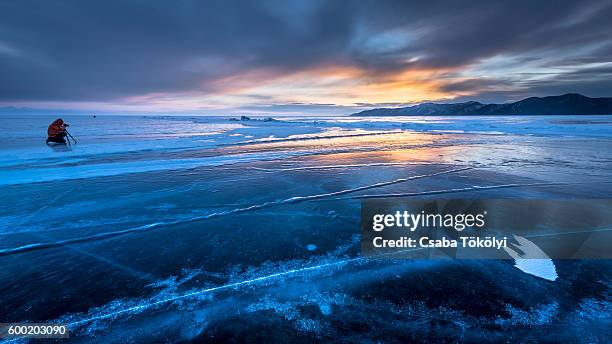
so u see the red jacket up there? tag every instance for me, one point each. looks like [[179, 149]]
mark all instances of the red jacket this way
[[56, 128]]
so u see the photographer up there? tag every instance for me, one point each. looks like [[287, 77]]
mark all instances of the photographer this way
[[57, 131]]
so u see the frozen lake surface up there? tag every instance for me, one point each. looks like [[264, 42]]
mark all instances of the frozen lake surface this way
[[184, 229]]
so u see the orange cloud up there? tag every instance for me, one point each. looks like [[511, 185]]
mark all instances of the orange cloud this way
[[340, 85]]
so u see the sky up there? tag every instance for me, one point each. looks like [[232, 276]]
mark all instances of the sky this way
[[297, 57]]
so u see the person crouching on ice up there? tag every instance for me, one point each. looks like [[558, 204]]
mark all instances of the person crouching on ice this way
[[57, 131]]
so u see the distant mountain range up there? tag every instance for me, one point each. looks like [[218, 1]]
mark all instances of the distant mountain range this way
[[567, 104]]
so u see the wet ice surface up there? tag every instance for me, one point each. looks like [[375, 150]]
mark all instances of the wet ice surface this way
[[205, 229]]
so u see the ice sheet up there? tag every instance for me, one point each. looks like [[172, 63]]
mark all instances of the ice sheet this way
[[167, 222]]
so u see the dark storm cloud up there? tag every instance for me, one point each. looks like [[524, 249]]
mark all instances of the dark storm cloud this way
[[596, 82], [102, 50]]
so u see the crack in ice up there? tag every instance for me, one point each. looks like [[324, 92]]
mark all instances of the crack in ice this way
[[150, 226]]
